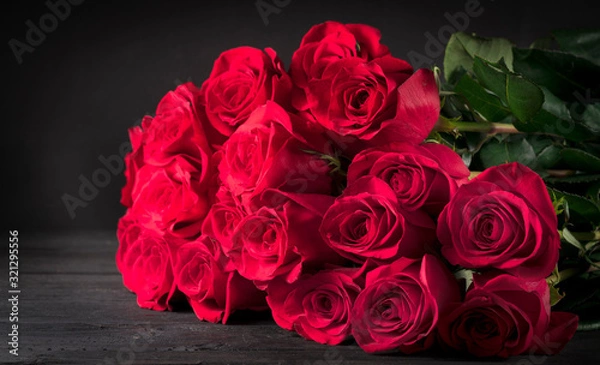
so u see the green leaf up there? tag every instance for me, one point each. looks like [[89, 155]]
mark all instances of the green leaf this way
[[555, 295], [590, 118], [567, 236], [462, 49], [516, 148], [584, 207], [555, 118], [562, 73], [580, 42], [486, 104], [523, 97], [491, 76], [580, 160], [549, 157]]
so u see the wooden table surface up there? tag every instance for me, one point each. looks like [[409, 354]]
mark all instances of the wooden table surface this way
[[73, 309]]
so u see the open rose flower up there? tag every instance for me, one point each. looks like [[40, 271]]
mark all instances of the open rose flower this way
[[503, 315], [171, 198], [177, 130], [214, 292], [317, 306], [375, 103], [241, 80], [281, 238], [366, 221], [423, 177], [502, 219], [401, 305], [326, 43], [223, 218], [144, 260], [268, 151]]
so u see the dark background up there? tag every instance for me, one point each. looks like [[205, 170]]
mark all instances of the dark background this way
[[109, 63]]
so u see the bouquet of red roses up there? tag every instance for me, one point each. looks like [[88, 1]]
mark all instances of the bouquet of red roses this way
[[324, 194]]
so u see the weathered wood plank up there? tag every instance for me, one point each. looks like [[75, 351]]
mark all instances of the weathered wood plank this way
[[75, 310]]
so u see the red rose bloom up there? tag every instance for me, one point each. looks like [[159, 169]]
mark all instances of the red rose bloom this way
[[171, 198], [366, 221], [376, 102], [213, 292], [354, 97], [223, 218], [316, 306], [502, 219], [401, 304], [503, 315], [241, 80], [177, 130], [144, 260], [269, 152], [326, 43], [280, 237], [423, 177]]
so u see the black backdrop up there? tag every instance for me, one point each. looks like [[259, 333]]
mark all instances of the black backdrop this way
[[97, 71]]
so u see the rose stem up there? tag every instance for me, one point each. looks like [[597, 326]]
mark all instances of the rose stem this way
[[489, 128]]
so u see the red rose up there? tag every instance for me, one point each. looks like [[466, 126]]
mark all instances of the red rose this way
[[143, 258], [241, 80], [502, 219], [326, 43], [213, 292], [171, 198], [222, 219], [316, 306], [354, 97], [367, 221], [269, 152], [280, 237], [401, 304], [375, 103], [502, 315], [424, 177], [177, 130]]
